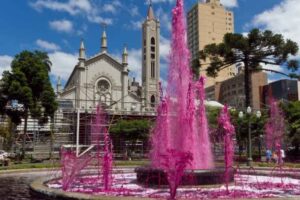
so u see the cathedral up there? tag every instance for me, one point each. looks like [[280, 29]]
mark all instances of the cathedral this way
[[103, 80]]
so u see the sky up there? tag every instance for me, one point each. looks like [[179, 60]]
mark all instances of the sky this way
[[57, 26]]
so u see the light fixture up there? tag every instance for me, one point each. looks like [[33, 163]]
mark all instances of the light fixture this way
[[241, 114], [249, 110], [258, 114]]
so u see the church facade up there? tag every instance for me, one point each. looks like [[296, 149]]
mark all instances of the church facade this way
[[103, 80]]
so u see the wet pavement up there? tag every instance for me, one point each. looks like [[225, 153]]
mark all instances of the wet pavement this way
[[15, 186]]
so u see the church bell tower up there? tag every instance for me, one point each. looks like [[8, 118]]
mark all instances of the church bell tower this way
[[150, 60]]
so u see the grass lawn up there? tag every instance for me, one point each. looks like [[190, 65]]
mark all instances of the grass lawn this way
[[123, 163], [55, 163]]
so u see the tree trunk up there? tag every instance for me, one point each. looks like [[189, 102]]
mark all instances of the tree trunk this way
[[247, 83], [25, 133]]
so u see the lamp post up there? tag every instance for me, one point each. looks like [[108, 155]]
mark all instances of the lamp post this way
[[241, 115]]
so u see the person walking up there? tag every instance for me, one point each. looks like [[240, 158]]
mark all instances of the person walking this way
[[282, 153], [275, 157], [268, 155]]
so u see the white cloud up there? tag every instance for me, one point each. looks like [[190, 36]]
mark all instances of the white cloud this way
[[164, 18], [164, 48], [134, 11], [272, 67], [62, 63], [136, 25], [5, 62], [282, 19], [62, 25], [229, 3], [163, 1], [99, 20], [135, 63], [72, 7], [75, 7], [111, 7], [50, 46]]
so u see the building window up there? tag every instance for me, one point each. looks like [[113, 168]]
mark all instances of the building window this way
[[152, 55], [103, 85], [152, 69], [153, 49], [152, 41], [152, 100]]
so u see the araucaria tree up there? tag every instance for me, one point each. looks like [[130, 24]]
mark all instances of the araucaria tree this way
[[28, 83], [254, 51]]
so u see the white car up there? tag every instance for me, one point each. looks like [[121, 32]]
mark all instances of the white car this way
[[3, 154]]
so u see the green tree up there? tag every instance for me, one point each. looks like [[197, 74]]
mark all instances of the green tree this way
[[254, 50], [131, 130], [28, 83], [292, 115]]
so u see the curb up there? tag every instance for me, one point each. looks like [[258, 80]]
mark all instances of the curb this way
[[39, 189]]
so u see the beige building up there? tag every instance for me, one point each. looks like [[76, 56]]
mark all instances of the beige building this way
[[208, 23], [150, 61], [232, 91]]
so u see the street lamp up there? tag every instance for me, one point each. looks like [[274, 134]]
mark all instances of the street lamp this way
[[241, 115]]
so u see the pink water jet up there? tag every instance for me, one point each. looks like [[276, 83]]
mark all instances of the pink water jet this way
[[181, 124], [71, 166], [174, 164], [101, 139], [227, 132], [275, 129], [95, 158]]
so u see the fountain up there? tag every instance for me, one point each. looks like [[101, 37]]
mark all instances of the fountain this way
[[181, 125], [181, 150]]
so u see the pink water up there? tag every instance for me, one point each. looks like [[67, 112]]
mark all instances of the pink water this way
[[100, 137], [99, 159], [181, 124], [71, 166], [275, 128], [227, 131]]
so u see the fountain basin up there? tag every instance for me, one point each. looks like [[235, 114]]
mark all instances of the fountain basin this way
[[151, 176]]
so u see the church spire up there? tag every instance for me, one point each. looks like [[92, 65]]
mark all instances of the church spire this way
[[58, 86], [104, 40], [81, 57], [125, 56], [150, 12], [81, 51]]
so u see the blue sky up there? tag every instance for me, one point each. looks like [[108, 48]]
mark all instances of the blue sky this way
[[56, 26]]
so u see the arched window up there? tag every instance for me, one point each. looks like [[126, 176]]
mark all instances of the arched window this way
[[103, 86], [152, 100], [152, 41]]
